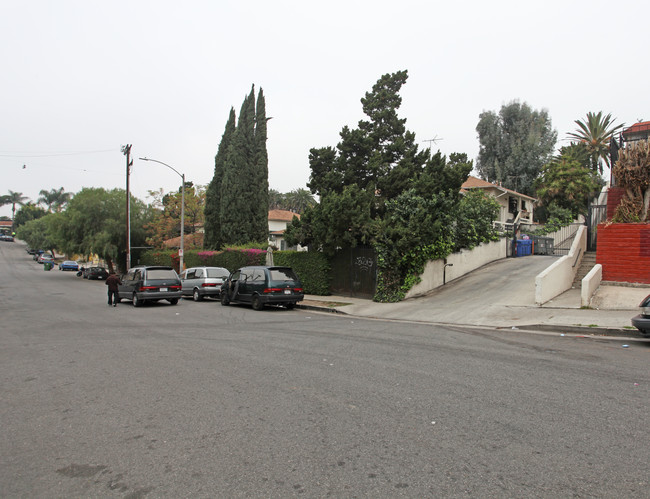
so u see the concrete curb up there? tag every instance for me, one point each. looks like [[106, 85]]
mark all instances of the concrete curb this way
[[579, 331]]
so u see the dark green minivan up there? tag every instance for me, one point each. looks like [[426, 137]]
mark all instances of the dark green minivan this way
[[261, 286]]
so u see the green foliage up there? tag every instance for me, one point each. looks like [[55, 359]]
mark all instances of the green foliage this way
[[27, 212], [212, 212], [94, 223], [377, 188], [514, 145], [313, 268], [42, 232], [567, 182], [237, 197], [476, 212], [558, 217]]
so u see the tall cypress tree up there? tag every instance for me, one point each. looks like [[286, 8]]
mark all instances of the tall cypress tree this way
[[237, 197], [236, 211], [213, 238], [261, 186]]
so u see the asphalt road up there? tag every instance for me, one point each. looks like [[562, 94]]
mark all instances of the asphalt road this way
[[201, 400]]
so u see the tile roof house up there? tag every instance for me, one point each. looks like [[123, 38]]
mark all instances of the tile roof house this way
[[638, 131], [277, 220], [514, 206]]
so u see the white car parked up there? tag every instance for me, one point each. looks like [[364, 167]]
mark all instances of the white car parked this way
[[201, 282]]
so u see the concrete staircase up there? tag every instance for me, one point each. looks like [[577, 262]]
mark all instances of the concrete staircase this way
[[588, 262]]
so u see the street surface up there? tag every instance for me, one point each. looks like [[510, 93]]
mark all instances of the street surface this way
[[201, 400]]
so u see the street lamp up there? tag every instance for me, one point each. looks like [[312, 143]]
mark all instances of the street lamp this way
[[182, 175]]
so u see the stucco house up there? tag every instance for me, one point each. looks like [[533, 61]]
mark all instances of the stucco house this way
[[278, 222], [514, 206]]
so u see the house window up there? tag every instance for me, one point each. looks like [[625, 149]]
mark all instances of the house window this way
[[512, 204], [523, 205]]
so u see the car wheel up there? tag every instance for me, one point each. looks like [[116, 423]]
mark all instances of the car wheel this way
[[173, 301], [290, 306], [136, 301], [224, 299], [256, 303], [196, 295]]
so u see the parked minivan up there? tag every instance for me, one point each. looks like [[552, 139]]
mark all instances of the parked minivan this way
[[261, 286], [150, 283], [201, 282]]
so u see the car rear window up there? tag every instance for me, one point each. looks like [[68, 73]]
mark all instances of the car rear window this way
[[161, 274], [283, 275], [217, 273]]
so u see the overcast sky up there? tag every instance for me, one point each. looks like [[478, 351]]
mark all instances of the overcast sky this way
[[82, 78]]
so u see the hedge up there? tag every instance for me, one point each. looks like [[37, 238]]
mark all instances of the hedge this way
[[312, 267]]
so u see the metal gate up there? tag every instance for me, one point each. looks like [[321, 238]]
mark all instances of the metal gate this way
[[354, 272], [597, 214]]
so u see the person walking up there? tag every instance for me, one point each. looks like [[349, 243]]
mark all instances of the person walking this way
[[113, 281]]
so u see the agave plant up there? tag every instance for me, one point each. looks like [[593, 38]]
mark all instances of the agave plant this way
[[596, 133]]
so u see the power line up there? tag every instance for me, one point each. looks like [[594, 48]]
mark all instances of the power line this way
[[51, 155]]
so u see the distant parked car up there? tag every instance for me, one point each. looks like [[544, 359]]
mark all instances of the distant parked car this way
[[45, 257], [36, 254], [95, 273], [69, 265], [262, 286], [7, 237], [201, 282], [642, 321]]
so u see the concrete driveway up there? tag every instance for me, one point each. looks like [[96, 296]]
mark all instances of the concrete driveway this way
[[502, 294]]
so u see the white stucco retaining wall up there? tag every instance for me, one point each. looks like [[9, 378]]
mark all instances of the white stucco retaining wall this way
[[590, 283], [461, 263], [559, 277]]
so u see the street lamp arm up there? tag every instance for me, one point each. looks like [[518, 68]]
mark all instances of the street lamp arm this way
[[168, 166], [182, 176]]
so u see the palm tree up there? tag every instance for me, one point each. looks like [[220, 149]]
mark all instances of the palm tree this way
[[54, 199], [14, 198], [276, 199], [596, 132], [299, 200]]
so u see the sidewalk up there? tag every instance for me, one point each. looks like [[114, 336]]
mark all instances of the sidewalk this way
[[612, 307]]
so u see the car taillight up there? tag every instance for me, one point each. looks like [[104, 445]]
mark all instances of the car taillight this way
[[209, 285], [148, 288], [175, 288], [273, 290], [298, 290]]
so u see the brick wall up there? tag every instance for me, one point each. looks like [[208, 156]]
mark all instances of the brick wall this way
[[614, 196], [624, 252]]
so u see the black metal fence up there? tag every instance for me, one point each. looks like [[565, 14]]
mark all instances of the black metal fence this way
[[354, 272]]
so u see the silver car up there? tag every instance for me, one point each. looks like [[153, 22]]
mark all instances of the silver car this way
[[199, 282]]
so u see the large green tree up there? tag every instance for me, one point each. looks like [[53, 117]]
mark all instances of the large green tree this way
[[377, 188], [260, 189], [568, 182], [28, 212], [244, 186], [514, 145], [213, 238], [93, 223], [596, 133]]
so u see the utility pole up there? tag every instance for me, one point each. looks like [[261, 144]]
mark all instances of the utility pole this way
[[126, 150]]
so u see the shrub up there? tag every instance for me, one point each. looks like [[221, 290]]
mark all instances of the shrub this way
[[312, 267]]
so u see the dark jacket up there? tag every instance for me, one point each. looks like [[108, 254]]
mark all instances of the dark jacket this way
[[112, 281]]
